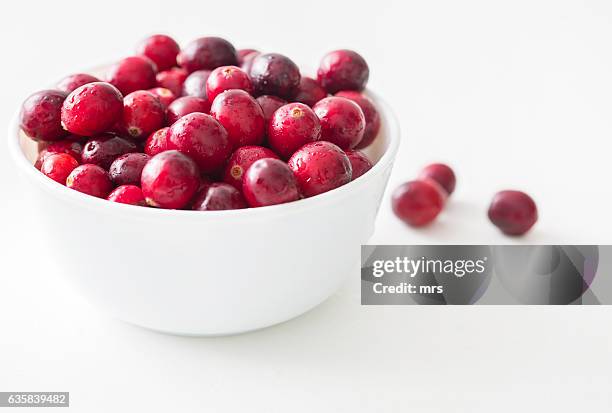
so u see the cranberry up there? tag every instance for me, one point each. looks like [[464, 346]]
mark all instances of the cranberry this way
[[172, 79], [513, 212], [202, 138], [242, 53], [224, 78], [360, 163], [126, 169], [143, 113], [269, 104], [92, 108], [241, 160], [417, 203], [132, 73], [91, 180], [195, 84], [219, 196], [442, 174], [42, 155], [184, 106], [343, 70], [291, 127], [207, 53], [342, 121], [309, 92], [269, 182], [157, 142], [58, 166], [165, 96], [274, 74], [247, 61], [161, 49], [127, 194], [69, 83], [102, 150], [372, 117], [205, 182], [241, 116], [70, 146], [169, 180], [40, 116], [320, 167]]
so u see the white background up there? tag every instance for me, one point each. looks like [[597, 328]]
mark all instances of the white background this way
[[512, 94]]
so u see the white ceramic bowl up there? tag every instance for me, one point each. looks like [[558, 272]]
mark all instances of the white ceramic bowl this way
[[216, 272]]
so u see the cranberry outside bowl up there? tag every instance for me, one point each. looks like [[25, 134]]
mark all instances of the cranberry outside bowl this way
[[215, 272]]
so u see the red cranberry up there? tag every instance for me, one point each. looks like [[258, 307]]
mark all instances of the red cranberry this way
[[40, 116], [202, 138], [343, 70], [157, 142], [127, 194], [102, 150], [247, 61], [513, 212], [169, 180], [207, 53], [42, 155], [205, 182], [242, 53], [195, 84], [69, 83], [126, 169], [309, 92], [143, 114], [70, 146], [92, 108], [161, 49], [184, 106], [241, 116], [269, 104], [58, 166], [241, 160], [275, 74], [172, 79], [224, 78], [320, 167], [269, 182], [165, 96], [417, 203], [442, 174], [372, 117], [342, 121], [91, 180], [132, 73], [219, 196], [291, 127], [360, 163]]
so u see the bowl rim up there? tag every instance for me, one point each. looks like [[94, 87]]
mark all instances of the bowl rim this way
[[90, 202]]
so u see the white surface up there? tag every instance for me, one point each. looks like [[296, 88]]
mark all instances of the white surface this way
[[513, 95]]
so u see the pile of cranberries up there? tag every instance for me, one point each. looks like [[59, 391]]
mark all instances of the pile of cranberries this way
[[419, 202], [205, 127]]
